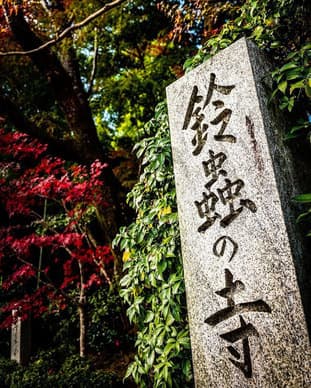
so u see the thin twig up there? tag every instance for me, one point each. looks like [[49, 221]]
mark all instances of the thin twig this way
[[67, 31], [41, 248], [98, 263], [49, 282], [94, 65]]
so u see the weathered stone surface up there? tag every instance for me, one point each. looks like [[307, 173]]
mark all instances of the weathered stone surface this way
[[233, 189]]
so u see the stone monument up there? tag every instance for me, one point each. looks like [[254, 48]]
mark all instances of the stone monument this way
[[240, 253], [20, 339]]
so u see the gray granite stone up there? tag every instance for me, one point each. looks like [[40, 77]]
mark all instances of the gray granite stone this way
[[240, 253]]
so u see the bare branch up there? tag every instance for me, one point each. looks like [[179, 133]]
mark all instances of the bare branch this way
[[94, 65], [47, 283], [67, 31]]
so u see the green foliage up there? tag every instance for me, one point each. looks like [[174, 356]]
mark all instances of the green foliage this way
[[106, 331], [293, 86], [278, 26], [153, 285], [78, 372], [7, 367], [293, 94], [135, 62], [45, 371]]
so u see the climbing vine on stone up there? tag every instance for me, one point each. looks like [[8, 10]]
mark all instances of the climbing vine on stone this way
[[153, 285]]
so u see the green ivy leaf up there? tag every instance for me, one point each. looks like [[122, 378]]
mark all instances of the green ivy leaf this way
[[288, 66], [296, 85], [303, 198], [282, 86], [303, 215], [149, 317]]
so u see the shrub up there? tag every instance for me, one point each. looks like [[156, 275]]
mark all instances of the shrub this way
[[46, 371]]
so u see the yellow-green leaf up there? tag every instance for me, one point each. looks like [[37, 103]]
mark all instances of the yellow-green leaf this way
[[282, 86], [297, 85], [288, 66], [126, 256]]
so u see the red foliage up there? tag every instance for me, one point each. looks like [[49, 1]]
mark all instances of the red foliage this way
[[32, 181], [25, 271]]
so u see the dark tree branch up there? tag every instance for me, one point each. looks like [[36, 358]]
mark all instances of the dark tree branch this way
[[64, 148], [67, 31], [12, 113], [66, 85]]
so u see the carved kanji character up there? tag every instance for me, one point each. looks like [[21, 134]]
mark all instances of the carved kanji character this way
[[219, 247], [201, 136], [213, 86], [206, 209], [228, 195], [213, 167], [245, 330], [242, 333], [232, 288]]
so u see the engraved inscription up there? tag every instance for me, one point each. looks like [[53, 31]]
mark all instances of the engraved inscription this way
[[245, 330], [224, 200], [219, 247], [228, 194], [196, 111]]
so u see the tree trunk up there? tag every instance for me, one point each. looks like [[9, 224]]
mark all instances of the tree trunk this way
[[82, 319], [65, 82], [82, 313]]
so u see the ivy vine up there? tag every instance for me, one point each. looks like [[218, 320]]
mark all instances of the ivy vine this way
[[153, 285]]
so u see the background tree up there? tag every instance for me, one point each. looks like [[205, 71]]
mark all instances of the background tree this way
[[50, 256], [81, 77], [96, 85], [77, 137]]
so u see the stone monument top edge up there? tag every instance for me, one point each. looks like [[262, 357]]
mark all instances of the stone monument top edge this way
[[240, 43]]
